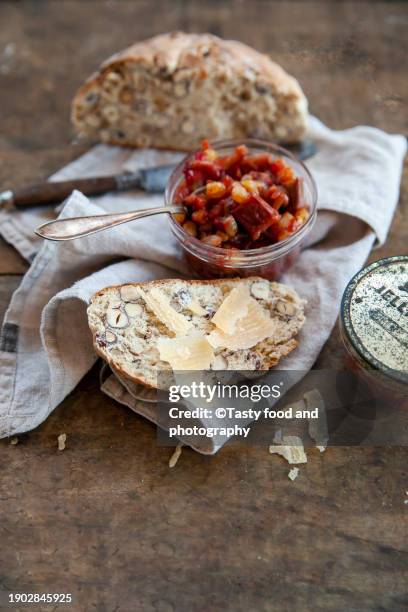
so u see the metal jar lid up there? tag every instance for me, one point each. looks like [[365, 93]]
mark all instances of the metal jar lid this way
[[374, 315]]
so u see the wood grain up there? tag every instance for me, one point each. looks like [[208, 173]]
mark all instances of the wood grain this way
[[106, 519]]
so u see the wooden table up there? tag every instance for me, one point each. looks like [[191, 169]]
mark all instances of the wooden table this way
[[106, 519]]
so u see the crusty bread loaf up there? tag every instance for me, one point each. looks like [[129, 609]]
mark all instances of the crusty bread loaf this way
[[173, 90], [126, 332]]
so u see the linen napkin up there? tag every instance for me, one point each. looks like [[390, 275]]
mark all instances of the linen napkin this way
[[46, 346]]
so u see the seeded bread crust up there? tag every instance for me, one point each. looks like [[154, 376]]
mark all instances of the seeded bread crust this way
[[125, 333], [173, 90]]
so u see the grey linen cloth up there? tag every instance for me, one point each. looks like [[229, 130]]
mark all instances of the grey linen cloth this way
[[46, 347]]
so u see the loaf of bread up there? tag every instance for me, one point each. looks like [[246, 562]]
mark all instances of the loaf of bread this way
[[174, 90], [130, 329]]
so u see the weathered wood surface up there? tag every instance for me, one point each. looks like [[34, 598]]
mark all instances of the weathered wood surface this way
[[106, 519]]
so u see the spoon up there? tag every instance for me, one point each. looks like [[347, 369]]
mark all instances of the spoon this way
[[77, 227]]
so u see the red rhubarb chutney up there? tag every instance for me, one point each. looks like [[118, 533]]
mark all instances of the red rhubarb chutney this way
[[241, 200], [249, 207]]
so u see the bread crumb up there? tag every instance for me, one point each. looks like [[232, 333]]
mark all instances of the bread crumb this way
[[14, 441], [293, 473], [62, 438], [175, 456]]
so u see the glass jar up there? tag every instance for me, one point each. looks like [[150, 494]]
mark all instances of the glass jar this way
[[374, 327], [269, 262]]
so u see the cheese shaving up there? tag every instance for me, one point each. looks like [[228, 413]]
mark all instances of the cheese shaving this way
[[62, 438], [186, 352], [254, 327], [291, 449], [159, 304], [175, 456], [233, 308], [293, 473], [318, 429]]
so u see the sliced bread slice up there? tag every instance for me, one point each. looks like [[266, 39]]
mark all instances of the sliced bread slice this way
[[130, 322]]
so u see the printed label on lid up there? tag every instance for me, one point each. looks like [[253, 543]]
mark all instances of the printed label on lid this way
[[378, 313]]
